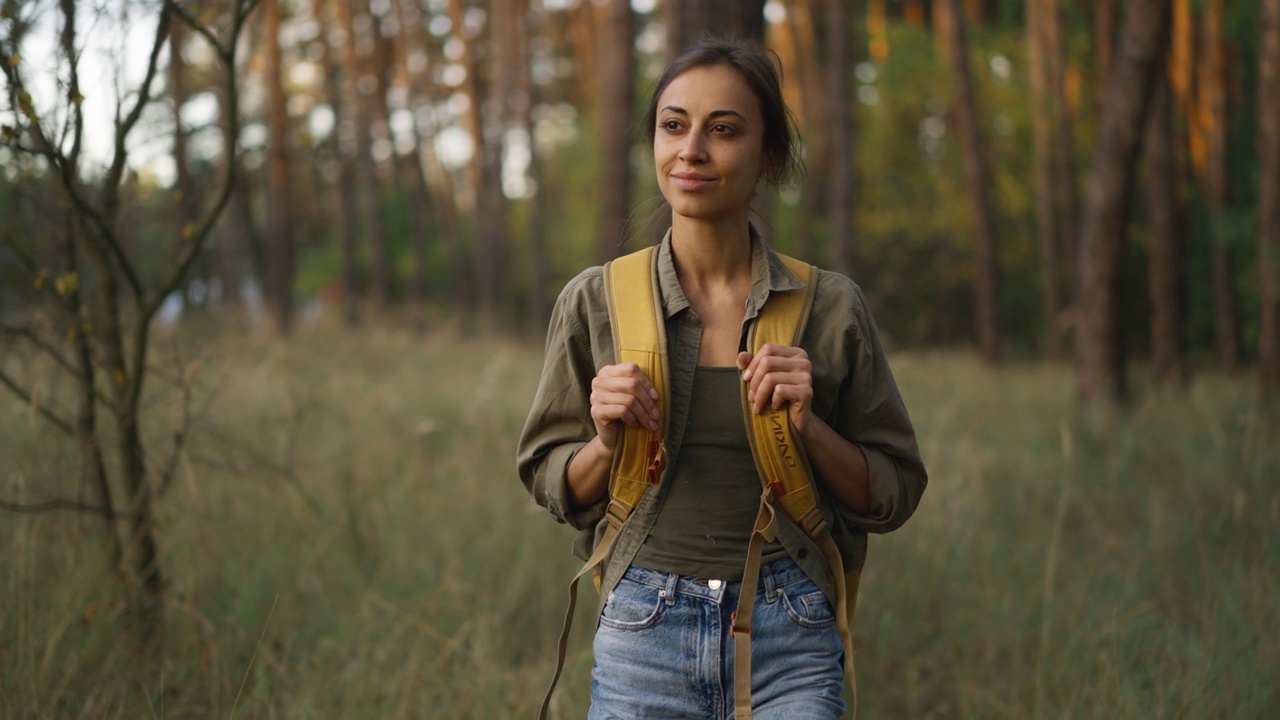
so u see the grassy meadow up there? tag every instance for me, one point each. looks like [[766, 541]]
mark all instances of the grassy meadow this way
[[345, 537]]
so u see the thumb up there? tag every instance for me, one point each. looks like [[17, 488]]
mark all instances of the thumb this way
[[744, 359]]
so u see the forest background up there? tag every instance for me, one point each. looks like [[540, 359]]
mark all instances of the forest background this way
[[274, 275]]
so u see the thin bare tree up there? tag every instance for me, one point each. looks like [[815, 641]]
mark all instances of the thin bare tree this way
[[107, 306]]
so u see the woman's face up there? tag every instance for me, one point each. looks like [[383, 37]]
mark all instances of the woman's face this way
[[708, 144]]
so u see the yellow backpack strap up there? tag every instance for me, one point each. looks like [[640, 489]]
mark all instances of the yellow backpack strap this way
[[639, 336], [788, 480]]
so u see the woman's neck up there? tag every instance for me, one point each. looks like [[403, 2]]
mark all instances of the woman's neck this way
[[709, 253]]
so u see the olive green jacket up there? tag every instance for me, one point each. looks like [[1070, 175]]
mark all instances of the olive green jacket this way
[[854, 392]]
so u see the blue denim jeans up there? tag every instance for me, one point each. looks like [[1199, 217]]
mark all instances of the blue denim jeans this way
[[663, 649]]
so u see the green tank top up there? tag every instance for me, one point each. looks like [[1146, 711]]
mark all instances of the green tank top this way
[[704, 525]]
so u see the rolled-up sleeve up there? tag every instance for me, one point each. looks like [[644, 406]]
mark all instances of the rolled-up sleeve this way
[[559, 422], [870, 412]]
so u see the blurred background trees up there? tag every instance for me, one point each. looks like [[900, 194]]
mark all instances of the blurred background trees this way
[[433, 159]]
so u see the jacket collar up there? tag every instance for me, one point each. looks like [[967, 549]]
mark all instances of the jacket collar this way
[[768, 274]]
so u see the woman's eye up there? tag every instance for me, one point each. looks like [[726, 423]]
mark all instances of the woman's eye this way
[[722, 128], [670, 125]]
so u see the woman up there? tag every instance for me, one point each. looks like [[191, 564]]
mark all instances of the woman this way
[[718, 127]]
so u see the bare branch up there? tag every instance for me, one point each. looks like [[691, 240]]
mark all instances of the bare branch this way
[[61, 504], [31, 336], [197, 239], [73, 92], [190, 21], [24, 396]]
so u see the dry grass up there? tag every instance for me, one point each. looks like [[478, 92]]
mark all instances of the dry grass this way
[[346, 538]]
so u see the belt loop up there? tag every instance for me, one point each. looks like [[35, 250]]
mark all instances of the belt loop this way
[[672, 580], [770, 583]]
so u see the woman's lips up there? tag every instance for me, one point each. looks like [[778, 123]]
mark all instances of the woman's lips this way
[[691, 181]]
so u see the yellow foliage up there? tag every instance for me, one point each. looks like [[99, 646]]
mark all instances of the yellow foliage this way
[[66, 284]]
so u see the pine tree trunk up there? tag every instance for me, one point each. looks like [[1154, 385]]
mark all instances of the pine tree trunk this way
[[336, 79], [1066, 201], [617, 69], [839, 51], [1165, 268], [1104, 30], [1142, 54], [280, 243], [539, 268], [364, 84], [1269, 197], [977, 177], [236, 224], [1042, 131], [1214, 94]]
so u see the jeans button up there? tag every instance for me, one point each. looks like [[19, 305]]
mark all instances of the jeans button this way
[[713, 584]]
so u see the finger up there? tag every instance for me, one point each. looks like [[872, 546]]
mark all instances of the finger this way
[[621, 413], [630, 370], [637, 387], [767, 392], [644, 415], [785, 394]]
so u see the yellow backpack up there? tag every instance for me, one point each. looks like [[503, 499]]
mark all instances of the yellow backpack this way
[[639, 336]]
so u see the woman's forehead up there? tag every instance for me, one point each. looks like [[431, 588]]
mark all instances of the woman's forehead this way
[[701, 90]]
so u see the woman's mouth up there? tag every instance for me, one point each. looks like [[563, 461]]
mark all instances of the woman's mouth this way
[[691, 181]]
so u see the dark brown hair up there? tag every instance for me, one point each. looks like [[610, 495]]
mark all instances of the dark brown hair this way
[[762, 70]]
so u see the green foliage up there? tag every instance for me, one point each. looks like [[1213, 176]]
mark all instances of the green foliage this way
[[346, 537]]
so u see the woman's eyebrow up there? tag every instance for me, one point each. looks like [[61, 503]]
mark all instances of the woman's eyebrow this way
[[713, 114]]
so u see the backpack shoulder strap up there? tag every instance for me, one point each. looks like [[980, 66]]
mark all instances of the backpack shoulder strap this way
[[639, 336], [788, 480]]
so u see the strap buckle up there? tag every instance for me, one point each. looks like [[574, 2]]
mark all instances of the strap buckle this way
[[657, 454]]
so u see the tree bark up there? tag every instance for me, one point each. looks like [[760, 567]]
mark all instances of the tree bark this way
[[1066, 202], [1164, 212], [1042, 132], [1104, 29], [337, 84], [1214, 94], [278, 222], [540, 272], [1143, 41], [839, 131], [617, 71], [361, 85], [978, 179], [238, 223], [1269, 197], [808, 70]]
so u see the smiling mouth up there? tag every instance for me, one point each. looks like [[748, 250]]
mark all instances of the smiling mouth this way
[[691, 181]]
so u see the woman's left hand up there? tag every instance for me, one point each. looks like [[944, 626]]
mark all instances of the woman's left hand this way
[[778, 376]]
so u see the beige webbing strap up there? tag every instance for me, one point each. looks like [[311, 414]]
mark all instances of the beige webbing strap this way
[[617, 514], [764, 532], [843, 609], [639, 336]]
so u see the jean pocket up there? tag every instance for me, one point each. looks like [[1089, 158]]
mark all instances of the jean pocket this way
[[633, 606], [808, 609]]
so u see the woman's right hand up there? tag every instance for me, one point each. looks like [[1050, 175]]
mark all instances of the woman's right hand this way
[[622, 393]]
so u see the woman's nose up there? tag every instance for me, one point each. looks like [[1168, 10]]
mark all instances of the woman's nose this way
[[693, 148]]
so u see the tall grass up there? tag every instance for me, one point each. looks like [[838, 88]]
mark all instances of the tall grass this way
[[345, 537]]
